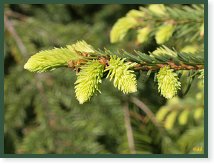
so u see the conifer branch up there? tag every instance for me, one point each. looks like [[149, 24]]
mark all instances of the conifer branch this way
[[120, 67], [159, 58], [148, 112], [161, 22]]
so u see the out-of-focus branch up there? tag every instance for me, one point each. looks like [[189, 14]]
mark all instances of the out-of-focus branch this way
[[151, 116], [148, 112], [129, 131], [16, 15], [9, 26]]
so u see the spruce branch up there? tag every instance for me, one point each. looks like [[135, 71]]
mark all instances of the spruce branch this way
[[119, 66], [161, 57], [163, 22]]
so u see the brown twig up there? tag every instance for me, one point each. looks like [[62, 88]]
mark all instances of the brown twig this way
[[171, 64], [148, 112], [9, 26], [129, 131], [16, 15]]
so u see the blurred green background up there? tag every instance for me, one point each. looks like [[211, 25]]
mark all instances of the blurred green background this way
[[41, 113]]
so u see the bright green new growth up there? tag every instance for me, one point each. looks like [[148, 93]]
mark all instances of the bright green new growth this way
[[190, 49], [143, 34], [135, 13], [88, 80], [198, 113], [170, 120], [162, 51], [124, 79], [164, 33], [157, 9], [183, 118], [161, 114], [121, 27], [82, 46], [164, 22], [50, 59], [168, 83]]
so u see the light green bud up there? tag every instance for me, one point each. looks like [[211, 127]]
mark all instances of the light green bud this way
[[168, 83]]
